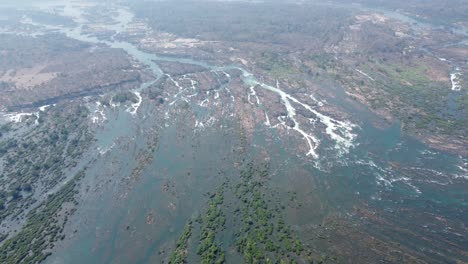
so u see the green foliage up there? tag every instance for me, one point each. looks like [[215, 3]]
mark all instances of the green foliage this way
[[276, 65], [263, 236], [125, 97], [208, 249], [179, 255], [214, 220], [43, 153], [421, 103], [41, 231]]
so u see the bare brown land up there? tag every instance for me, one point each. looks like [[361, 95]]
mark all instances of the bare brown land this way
[[45, 74], [398, 70]]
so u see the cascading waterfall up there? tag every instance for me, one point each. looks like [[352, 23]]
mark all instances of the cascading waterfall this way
[[341, 132]]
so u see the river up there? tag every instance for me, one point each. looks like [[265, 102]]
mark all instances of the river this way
[[382, 168]]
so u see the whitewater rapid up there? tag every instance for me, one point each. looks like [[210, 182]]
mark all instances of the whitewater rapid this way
[[455, 80], [341, 132]]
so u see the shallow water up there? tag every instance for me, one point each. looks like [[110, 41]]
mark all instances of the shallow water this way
[[129, 219]]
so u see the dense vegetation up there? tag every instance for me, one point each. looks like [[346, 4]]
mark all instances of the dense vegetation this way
[[298, 42], [410, 86], [180, 252], [209, 250], [43, 228], [38, 157], [124, 97], [262, 235]]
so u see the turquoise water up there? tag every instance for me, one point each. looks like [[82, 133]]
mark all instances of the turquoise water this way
[[133, 202], [113, 229]]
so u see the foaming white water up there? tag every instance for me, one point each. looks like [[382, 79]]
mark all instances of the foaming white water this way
[[134, 107], [407, 181], [436, 173], [267, 120], [463, 167], [44, 107], [386, 176], [112, 104], [227, 74], [379, 171], [428, 152], [318, 102], [204, 102], [176, 83], [103, 151], [455, 80], [311, 140], [339, 131], [365, 74], [210, 122], [18, 117], [253, 93], [98, 115], [199, 124], [461, 176], [173, 102]]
